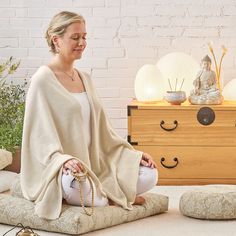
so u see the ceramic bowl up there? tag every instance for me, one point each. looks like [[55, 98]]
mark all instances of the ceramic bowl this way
[[175, 97]]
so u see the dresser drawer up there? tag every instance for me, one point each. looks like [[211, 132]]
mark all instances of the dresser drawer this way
[[193, 162], [181, 127]]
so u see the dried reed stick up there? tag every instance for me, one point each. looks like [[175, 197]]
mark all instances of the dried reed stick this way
[[176, 84], [216, 66], [169, 84], [181, 84]]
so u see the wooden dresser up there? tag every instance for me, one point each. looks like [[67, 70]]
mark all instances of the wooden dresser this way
[[191, 144]]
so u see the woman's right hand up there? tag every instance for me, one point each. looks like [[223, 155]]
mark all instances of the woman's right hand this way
[[72, 165]]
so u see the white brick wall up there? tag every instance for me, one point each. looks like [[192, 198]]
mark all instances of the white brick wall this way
[[122, 36]]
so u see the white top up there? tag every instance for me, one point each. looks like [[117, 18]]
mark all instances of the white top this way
[[82, 98]]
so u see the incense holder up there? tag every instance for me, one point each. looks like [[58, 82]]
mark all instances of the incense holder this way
[[175, 97]]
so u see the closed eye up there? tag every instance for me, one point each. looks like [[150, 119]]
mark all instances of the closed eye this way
[[77, 38]]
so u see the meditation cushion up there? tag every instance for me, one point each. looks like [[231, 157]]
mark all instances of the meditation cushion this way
[[5, 158], [6, 179], [73, 220], [210, 202]]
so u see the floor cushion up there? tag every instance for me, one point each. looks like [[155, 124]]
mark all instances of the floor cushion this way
[[210, 202], [6, 179], [5, 158], [73, 220]]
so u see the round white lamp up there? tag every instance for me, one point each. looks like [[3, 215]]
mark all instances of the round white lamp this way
[[228, 92], [149, 84], [176, 67]]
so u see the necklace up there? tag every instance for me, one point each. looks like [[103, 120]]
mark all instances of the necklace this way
[[71, 76]]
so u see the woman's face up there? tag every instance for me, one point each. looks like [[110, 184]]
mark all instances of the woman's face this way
[[73, 42]]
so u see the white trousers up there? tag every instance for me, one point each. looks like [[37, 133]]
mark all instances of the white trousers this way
[[147, 179]]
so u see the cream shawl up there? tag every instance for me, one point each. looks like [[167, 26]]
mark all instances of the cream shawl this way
[[52, 135]]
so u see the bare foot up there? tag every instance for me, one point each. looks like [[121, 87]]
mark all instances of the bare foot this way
[[139, 200]]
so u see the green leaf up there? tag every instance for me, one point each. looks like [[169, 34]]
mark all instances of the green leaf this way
[[12, 107]]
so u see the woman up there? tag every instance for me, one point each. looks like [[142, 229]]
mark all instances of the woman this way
[[66, 130]]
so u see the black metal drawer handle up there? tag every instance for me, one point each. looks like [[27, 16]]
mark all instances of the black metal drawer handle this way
[[175, 122], [170, 167]]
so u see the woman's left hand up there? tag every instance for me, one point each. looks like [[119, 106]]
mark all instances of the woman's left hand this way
[[147, 161]]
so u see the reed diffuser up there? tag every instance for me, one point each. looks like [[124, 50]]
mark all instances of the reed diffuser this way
[[176, 96]]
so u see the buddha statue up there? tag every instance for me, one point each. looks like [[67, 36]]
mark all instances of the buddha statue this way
[[205, 85]]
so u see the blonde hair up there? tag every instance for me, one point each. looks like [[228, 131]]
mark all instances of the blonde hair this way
[[59, 24]]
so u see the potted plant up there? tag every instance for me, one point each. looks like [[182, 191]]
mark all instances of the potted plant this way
[[12, 106]]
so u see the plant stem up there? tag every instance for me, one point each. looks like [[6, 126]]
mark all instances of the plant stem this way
[[220, 70], [217, 70]]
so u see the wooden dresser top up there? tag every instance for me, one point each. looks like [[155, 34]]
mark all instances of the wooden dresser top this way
[[186, 105]]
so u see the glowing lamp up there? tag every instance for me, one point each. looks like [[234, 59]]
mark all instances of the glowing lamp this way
[[229, 90], [149, 83], [178, 69]]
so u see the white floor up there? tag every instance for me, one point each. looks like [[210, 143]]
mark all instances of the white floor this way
[[168, 224]]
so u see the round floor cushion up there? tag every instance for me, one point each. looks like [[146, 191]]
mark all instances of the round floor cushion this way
[[210, 202]]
